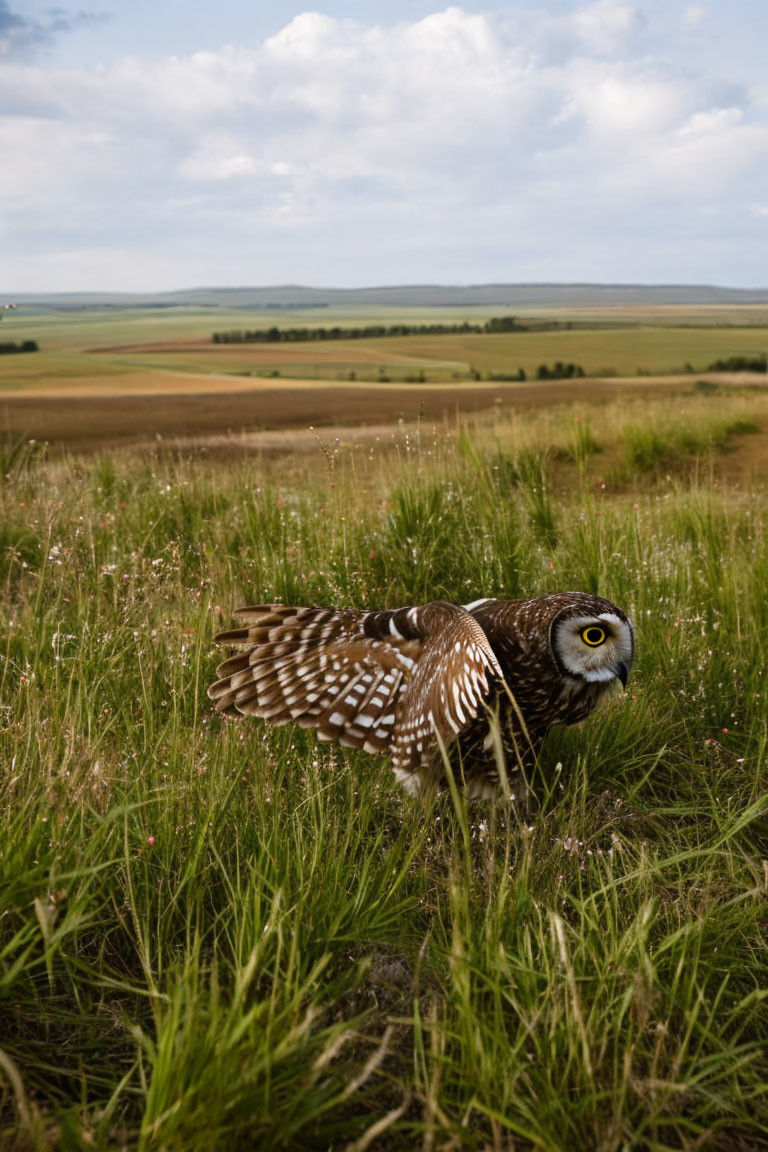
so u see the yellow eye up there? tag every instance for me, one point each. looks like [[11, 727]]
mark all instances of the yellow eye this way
[[593, 636]]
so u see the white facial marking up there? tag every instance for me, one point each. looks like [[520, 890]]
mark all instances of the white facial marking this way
[[597, 663]]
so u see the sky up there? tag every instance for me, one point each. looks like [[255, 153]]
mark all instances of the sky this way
[[157, 144]]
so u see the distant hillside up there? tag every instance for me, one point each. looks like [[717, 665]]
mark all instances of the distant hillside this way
[[289, 296]]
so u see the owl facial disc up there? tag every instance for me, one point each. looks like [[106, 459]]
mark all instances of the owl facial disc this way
[[597, 649]]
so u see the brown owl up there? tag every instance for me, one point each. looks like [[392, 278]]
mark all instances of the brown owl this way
[[419, 683]]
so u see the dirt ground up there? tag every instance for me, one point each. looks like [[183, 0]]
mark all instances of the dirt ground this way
[[138, 407]]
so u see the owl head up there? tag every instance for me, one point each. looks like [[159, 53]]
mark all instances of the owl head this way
[[593, 642]]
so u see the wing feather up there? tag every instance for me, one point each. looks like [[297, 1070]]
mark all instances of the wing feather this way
[[405, 680], [453, 678], [315, 667]]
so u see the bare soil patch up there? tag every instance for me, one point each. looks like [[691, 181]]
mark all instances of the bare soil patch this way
[[134, 408], [137, 407]]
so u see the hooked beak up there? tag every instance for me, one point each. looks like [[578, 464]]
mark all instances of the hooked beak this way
[[622, 673]]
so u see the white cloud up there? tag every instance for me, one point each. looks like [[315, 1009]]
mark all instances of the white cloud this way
[[217, 157], [694, 16], [484, 141], [712, 150], [607, 26], [630, 102]]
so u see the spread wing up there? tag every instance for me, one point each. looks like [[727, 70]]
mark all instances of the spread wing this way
[[373, 680], [318, 668]]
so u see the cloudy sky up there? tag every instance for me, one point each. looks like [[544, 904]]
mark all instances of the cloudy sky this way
[[159, 144]]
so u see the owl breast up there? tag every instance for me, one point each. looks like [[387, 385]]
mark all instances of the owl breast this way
[[476, 755]]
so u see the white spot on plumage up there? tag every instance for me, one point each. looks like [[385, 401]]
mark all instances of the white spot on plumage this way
[[460, 716]]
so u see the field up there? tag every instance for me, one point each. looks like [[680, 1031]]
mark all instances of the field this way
[[112, 377], [94, 348], [218, 936]]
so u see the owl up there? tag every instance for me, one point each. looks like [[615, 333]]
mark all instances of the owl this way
[[433, 682]]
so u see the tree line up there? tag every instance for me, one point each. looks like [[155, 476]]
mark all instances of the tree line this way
[[275, 335], [740, 364], [558, 371], [8, 348]]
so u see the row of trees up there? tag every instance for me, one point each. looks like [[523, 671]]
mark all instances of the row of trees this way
[[275, 335], [559, 371], [740, 364], [9, 347]]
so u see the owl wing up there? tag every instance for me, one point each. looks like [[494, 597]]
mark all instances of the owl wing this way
[[371, 680], [445, 693]]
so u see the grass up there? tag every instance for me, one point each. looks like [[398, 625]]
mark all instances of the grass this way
[[601, 352], [648, 449], [110, 345], [218, 936]]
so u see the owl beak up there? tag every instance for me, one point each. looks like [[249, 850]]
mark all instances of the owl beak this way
[[622, 673]]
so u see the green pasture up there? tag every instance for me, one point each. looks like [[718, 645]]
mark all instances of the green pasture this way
[[107, 344], [218, 936], [601, 352]]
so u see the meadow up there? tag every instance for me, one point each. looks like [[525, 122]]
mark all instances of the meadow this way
[[111, 350], [107, 377], [220, 936]]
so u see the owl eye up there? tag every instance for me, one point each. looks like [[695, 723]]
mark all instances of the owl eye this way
[[593, 636]]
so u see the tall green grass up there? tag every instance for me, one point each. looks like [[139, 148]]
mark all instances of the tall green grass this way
[[215, 935]]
